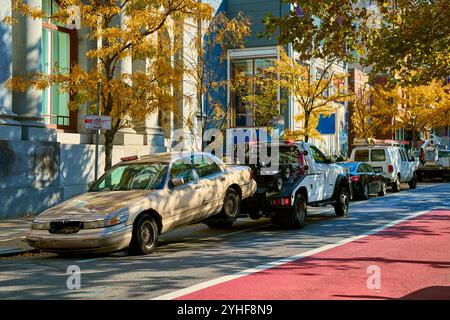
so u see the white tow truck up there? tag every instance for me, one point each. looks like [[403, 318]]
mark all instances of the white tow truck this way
[[305, 176]]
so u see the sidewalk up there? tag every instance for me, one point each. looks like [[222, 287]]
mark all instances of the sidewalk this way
[[12, 236]]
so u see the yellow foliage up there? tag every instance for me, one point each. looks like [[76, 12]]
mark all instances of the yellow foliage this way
[[314, 96], [124, 94]]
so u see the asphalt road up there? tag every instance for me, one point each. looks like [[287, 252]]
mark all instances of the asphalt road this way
[[196, 254]]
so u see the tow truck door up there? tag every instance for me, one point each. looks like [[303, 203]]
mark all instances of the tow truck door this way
[[319, 170]]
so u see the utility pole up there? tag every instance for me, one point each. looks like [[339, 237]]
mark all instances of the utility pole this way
[[97, 132]]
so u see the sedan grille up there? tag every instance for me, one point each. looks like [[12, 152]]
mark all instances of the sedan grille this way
[[65, 227]]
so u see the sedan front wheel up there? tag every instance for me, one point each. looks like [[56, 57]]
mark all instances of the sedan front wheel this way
[[145, 235]]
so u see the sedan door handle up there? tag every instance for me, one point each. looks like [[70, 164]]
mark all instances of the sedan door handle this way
[[197, 187], [222, 178]]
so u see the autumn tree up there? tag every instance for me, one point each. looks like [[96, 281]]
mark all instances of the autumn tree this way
[[421, 108], [408, 40], [123, 30], [373, 111], [315, 95], [260, 95], [204, 62]]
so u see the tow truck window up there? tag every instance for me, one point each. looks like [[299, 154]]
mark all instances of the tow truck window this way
[[378, 155], [362, 155], [318, 156], [289, 155]]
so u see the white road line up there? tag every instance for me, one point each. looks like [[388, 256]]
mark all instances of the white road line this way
[[206, 284], [240, 231]]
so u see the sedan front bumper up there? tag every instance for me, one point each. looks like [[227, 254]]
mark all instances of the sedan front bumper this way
[[91, 240]]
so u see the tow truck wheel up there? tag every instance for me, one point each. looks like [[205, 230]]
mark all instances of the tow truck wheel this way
[[295, 217], [341, 205]]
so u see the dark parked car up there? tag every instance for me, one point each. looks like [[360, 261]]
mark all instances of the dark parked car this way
[[365, 181]]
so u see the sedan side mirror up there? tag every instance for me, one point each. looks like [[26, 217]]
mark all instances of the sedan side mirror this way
[[91, 184], [178, 181]]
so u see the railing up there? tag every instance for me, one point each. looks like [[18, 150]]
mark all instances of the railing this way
[[59, 121]]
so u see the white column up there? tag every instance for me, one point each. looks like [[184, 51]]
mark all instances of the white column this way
[[9, 128], [26, 44]]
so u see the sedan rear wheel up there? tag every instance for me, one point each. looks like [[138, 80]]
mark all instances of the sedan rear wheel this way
[[145, 235], [365, 195], [230, 211]]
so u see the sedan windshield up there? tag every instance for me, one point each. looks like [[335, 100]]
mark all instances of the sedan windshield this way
[[133, 176]]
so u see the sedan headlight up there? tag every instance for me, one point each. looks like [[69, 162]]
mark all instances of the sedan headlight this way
[[118, 217], [40, 225]]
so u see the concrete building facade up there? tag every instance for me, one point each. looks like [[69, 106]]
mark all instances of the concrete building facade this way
[[46, 154]]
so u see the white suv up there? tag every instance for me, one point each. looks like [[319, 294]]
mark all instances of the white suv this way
[[390, 160]]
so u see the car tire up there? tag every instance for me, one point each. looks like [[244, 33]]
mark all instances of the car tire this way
[[341, 205], [230, 211], [365, 194], [145, 235], [231, 205], [383, 190], [295, 218], [396, 186], [413, 182]]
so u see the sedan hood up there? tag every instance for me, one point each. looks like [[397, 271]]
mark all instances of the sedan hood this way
[[95, 204]]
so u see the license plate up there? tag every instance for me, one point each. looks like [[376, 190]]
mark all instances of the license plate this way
[[378, 169]]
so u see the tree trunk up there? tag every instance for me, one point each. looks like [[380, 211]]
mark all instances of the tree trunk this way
[[109, 139], [306, 127]]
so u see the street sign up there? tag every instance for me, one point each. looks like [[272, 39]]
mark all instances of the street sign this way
[[97, 122]]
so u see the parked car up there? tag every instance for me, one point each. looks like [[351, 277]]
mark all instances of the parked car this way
[[308, 178], [365, 181], [139, 199], [389, 158]]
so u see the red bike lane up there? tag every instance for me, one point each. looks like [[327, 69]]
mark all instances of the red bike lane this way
[[410, 260]]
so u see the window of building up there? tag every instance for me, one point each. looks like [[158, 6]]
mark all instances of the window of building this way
[[246, 68], [58, 53]]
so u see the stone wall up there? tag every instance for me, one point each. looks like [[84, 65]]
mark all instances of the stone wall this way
[[37, 175]]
